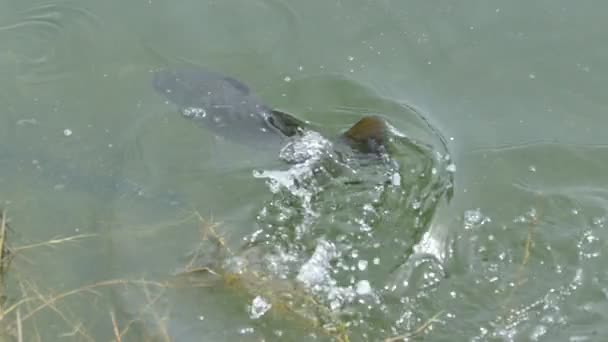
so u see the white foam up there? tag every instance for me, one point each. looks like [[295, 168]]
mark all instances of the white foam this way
[[315, 272], [363, 288], [259, 306]]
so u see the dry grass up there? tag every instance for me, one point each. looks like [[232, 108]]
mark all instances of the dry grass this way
[[520, 278], [510, 315], [52, 243], [417, 331], [18, 316], [5, 254], [287, 299], [289, 302]]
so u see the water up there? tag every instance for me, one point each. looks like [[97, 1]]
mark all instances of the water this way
[[501, 241]]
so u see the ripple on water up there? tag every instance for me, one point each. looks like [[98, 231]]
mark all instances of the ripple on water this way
[[41, 39]]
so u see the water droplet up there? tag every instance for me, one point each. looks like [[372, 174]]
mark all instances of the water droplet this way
[[245, 331], [194, 112], [363, 287], [287, 79], [396, 179], [538, 332], [362, 265], [474, 218], [599, 221], [67, 132]]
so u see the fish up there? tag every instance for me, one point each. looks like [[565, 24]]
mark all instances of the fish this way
[[366, 186], [230, 109]]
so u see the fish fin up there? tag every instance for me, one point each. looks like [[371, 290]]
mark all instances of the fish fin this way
[[287, 123], [368, 134]]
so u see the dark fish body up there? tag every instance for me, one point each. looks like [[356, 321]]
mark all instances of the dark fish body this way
[[230, 109], [224, 105]]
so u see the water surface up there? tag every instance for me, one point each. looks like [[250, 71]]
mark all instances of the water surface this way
[[512, 93]]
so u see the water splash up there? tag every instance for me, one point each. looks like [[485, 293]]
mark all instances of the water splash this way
[[335, 213]]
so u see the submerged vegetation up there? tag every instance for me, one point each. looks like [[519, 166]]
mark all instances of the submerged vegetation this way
[[24, 299], [27, 306]]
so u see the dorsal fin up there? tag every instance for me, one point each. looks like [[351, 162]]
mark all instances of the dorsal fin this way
[[369, 132]]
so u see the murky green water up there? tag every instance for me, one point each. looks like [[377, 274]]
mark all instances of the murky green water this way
[[91, 151]]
